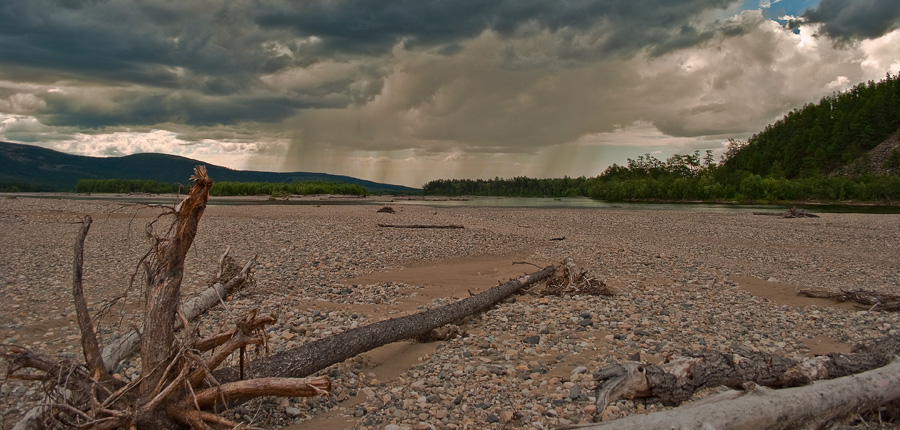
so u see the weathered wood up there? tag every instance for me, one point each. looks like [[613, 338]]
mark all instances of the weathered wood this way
[[168, 394], [790, 213], [165, 273], [308, 358], [569, 279], [89, 344], [418, 226], [675, 382], [875, 301], [809, 406]]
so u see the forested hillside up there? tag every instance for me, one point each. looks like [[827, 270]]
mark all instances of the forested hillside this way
[[819, 138]]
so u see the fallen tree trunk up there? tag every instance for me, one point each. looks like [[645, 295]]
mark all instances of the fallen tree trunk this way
[[319, 354], [418, 226], [675, 382], [802, 407]]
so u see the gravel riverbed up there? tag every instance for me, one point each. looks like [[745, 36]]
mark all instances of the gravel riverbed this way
[[684, 281]]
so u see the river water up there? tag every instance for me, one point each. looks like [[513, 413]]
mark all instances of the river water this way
[[586, 203]]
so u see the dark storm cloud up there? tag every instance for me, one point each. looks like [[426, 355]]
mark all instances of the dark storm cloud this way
[[221, 50], [150, 109], [157, 43], [845, 19], [373, 28]]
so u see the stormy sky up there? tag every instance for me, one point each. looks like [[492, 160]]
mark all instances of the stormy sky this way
[[406, 91]]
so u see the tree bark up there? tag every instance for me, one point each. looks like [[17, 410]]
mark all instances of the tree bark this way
[[675, 382], [319, 354], [89, 344], [164, 289], [791, 408]]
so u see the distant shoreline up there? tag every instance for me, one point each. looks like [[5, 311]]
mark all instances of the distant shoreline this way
[[477, 201]]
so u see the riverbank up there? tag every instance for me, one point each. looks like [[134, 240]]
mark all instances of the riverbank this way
[[685, 280]]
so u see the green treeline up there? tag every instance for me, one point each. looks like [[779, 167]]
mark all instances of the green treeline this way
[[123, 186], [790, 160], [751, 188], [515, 187], [285, 189], [23, 187]]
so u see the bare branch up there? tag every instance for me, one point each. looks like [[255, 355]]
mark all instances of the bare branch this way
[[284, 387], [89, 343]]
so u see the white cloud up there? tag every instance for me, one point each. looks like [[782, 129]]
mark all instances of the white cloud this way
[[882, 55], [21, 103]]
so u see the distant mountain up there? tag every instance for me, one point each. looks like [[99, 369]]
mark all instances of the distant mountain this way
[[46, 169]]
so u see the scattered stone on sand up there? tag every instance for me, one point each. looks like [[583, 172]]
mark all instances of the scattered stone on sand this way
[[683, 281]]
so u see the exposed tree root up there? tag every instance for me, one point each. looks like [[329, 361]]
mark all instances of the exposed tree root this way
[[571, 280], [176, 388]]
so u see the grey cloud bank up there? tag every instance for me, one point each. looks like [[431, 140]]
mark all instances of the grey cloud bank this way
[[411, 91]]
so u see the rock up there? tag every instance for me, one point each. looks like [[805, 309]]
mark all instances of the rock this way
[[579, 370], [575, 392]]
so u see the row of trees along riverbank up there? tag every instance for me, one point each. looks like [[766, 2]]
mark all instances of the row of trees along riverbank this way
[[122, 186], [648, 178]]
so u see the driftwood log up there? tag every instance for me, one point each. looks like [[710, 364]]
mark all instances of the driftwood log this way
[[675, 382], [419, 226], [806, 407], [790, 213], [311, 357], [873, 300]]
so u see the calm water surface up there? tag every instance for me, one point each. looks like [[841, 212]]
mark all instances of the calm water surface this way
[[586, 203], [480, 202]]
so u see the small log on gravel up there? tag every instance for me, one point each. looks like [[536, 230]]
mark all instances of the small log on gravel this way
[[873, 300], [809, 406], [418, 226], [316, 355], [675, 382], [790, 213]]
